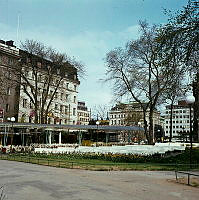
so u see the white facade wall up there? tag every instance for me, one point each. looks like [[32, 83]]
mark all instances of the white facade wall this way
[[63, 106], [180, 121], [118, 117], [83, 117]]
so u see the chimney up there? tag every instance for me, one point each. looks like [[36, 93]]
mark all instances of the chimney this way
[[10, 43], [2, 42]]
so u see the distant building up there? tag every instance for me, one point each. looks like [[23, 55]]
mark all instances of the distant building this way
[[131, 114], [83, 115], [180, 120]]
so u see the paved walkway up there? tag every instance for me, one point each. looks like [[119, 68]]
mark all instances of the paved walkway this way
[[24, 181]]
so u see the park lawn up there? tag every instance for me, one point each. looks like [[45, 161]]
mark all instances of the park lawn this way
[[109, 162]]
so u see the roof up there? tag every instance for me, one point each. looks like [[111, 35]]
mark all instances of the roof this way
[[73, 127]]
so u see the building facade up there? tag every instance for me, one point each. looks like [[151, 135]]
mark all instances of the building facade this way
[[9, 90], [83, 114], [131, 114], [44, 90], [180, 120]]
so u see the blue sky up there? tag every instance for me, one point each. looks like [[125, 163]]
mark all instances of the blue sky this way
[[85, 29]]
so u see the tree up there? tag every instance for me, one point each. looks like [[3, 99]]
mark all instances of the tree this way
[[42, 70], [100, 112], [141, 72], [181, 33]]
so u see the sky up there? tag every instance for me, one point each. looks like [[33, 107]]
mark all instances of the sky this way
[[84, 29]]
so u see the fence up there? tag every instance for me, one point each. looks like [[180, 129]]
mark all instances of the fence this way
[[96, 165]]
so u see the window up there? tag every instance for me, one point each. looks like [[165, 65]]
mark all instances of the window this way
[[38, 64], [62, 95], [56, 106], [24, 103], [7, 107], [56, 95], [67, 97], [75, 87], [39, 78], [67, 85], [8, 91], [74, 111], [31, 105], [61, 108], [74, 100]]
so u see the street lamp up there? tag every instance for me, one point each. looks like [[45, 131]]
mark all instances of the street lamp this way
[[138, 137], [190, 101], [97, 123]]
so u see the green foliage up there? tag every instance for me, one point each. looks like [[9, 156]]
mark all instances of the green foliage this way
[[182, 158]]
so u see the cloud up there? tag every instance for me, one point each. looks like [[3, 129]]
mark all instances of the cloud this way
[[89, 46]]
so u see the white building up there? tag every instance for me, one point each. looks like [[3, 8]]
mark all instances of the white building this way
[[180, 119], [131, 114], [83, 114], [63, 87], [61, 93]]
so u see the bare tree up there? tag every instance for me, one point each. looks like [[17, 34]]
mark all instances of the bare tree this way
[[42, 70], [182, 33], [101, 112], [141, 72]]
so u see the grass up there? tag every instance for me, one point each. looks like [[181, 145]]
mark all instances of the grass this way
[[108, 162], [90, 164]]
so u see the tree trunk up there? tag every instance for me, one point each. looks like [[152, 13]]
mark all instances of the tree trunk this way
[[146, 127], [196, 108], [171, 122], [151, 130]]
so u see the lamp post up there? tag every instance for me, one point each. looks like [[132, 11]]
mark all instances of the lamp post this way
[[138, 137], [190, 101], [97, 123], [12, 119]]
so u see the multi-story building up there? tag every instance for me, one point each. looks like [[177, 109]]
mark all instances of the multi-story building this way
[[83, 114], [180, 119], [52, 88], [9, 90], [131, 114]]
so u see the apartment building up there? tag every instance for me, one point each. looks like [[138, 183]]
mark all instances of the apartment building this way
[[83, 114], [131, 114], [9, 90], [180, 119], [45, 91]]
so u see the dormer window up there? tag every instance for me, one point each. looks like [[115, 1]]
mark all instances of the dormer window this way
[[58, 71], [49, 68], [38, 64]]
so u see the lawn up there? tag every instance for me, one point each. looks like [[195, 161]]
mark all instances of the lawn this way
[[110, 161]]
